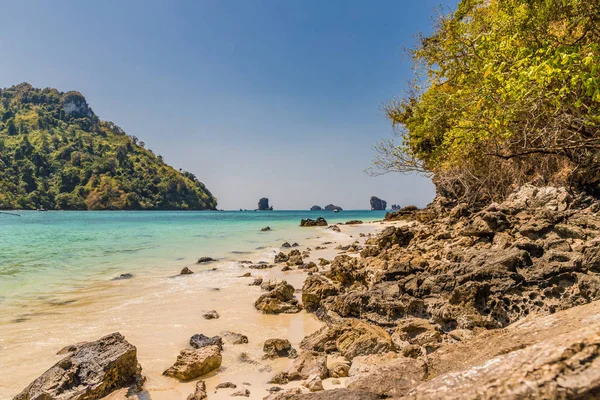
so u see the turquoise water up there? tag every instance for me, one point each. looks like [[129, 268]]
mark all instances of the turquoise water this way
[[42, 253]]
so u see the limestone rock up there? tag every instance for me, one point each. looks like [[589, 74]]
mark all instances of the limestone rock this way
[[377, 203], [274, 348], [280, 299], [234, 338], [93, 370], [186, 271], [198, 341], [192, 364], [211, 315], [312, 222], [306, 364], [199, 393]]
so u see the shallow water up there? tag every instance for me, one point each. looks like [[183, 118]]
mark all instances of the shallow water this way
[[56, 271]]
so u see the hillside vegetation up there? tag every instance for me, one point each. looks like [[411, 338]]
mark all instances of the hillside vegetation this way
[[55, 153], [506, 93]]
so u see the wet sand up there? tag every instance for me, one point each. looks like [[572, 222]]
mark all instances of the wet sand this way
[[159, 315]]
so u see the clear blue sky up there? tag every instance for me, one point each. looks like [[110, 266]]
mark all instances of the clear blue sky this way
[[270, 98]]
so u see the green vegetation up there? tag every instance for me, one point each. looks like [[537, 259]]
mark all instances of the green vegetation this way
[[506, 92], [56, 154]]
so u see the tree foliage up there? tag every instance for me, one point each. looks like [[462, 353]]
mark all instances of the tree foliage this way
[[56, 154], [507, 92]]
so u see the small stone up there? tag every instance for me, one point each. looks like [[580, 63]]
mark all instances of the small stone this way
[[186, 271], [203, 260], [226, 385], [241, 393], [211, 315]]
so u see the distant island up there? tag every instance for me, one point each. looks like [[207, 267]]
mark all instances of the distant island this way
[[378, 204], [263, 205], [56, 154]]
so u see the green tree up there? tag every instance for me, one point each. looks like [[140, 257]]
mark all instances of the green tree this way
[[507, 92]]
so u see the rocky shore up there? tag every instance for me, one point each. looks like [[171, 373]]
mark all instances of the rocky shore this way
[[449, 302]]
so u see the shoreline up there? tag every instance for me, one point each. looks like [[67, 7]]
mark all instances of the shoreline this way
[[176, 317]]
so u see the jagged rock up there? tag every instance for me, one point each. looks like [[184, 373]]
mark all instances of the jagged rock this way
[[315, 208], [286, 245], [334, 228], [314, 383], [338, 367], [323, 262], [263, 204], [393, 235], [261, 266], [306, 364], [377, 203], [199, 340], [234, 338], [257, 282], [354, 222], [316, 287], [279, 300], [335, 394], [211, 315], [350, 338], [416, 331], [92, 371], [192, 364], [274, 348], [186, 271], [281, 257], [200, 392], [312, 222], [203, 260]]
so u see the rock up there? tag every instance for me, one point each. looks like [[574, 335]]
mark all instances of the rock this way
[[354, 222], [199, 393], [334, 228], [286, 268], [265, 229], [377, 377], [234, 338], [334, 394], [199, 340], [279, 300], [246, 275], [316, 288], [350, 338], [203, 260], [394, 235], [186, 271], [331, 207], [274, 389], [306, 364], [192, 364], [280, 379], [257, 282], [377, 203], [295, 244], [263, 204], [323, 262], [92, 371], [211, 315], [281, 257], [241, 393], [261, 266], [122, 277], [226, 385], [274, 348], [313, 383], [312, 222], [286, 245], [315, 208], [416, 331]]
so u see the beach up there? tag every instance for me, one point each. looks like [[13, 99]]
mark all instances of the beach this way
[[158, 311]]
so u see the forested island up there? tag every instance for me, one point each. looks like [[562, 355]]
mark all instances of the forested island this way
[[56, 154]]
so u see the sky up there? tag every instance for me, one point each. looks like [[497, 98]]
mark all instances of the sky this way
[[258, 98]]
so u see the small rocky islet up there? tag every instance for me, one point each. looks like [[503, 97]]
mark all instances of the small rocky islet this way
[[445, 302]]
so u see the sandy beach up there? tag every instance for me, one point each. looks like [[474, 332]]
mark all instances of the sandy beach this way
[[159, 315]]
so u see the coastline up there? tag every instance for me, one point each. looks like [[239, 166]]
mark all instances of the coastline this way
[[159, 314]]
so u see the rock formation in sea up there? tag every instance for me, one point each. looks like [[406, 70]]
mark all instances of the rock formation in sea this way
[[315, 208], [378, 204], [395, 207], [331, 207], [463, 303], [263, 204]]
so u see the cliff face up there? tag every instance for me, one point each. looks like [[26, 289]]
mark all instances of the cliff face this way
[[55, 153], [263, 204], [378, 204]]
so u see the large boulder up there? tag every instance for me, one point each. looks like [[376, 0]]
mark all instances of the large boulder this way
[[192, 364], [93, 370], [316, 288], [274, 348], [313, 222], [308, 363], [280, 299], [351, 338], [377, 203]]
